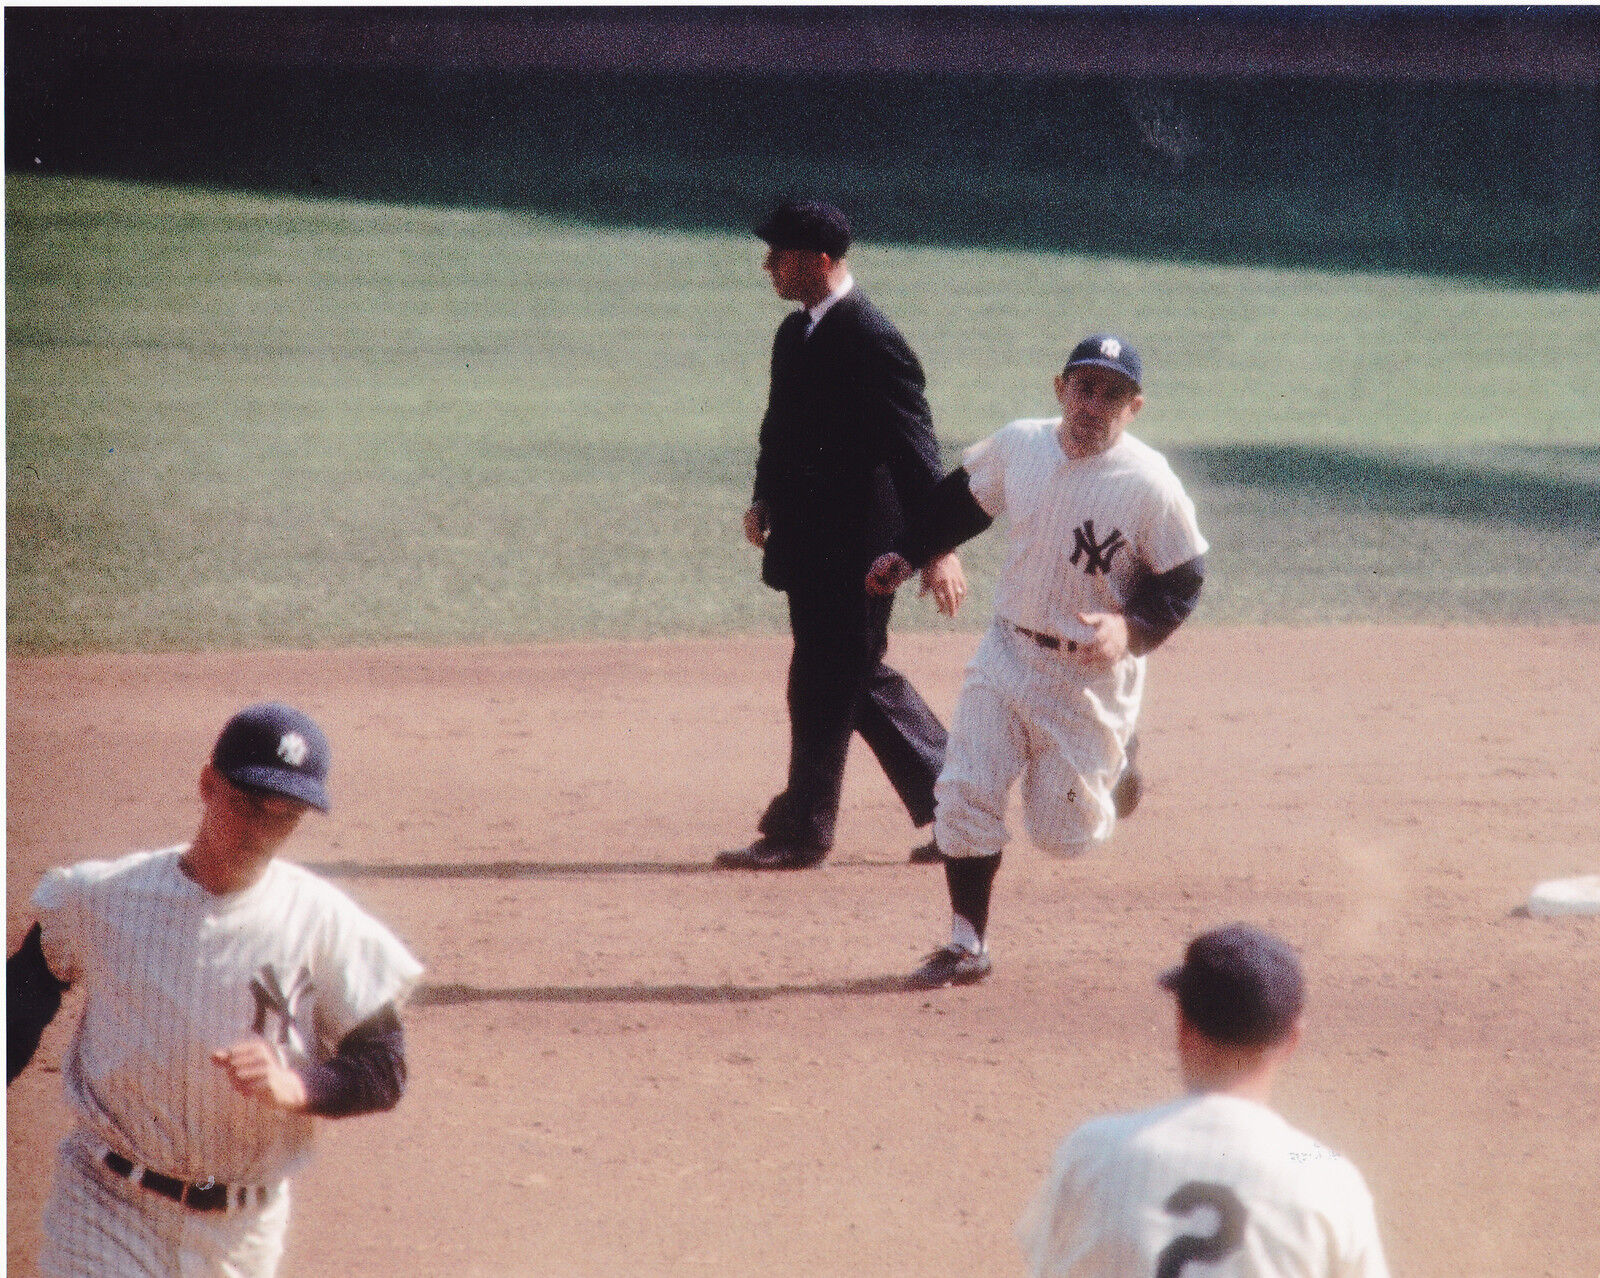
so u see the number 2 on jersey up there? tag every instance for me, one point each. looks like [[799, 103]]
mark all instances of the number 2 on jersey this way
[[1203, 1248]]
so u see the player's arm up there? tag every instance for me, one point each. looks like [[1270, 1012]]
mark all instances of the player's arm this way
[[1160, 603], [33, 997], [366, 1075]]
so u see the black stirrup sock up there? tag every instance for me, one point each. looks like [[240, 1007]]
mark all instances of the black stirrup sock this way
[[971, 880]]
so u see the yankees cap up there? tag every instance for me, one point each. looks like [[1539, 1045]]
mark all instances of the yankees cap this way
[[807, 224], [1104, 350], [1239, 986], [275, 747]]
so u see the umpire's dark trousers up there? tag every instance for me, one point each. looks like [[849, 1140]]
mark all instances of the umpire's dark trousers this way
[[838, 684]]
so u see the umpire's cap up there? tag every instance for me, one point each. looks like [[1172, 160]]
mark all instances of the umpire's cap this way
[[1239, 986], [275, 747], [807, 224]]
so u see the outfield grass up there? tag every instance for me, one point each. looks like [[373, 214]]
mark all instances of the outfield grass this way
[[241, 420]]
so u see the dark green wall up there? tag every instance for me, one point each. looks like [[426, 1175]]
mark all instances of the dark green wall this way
[[1475, 180]]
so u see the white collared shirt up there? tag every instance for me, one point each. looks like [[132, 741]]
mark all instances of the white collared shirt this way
[[815, 313], [1083, 531]]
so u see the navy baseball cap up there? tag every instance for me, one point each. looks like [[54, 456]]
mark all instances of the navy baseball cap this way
[[275, 747], [807, 224], [1103, 350], [1239, 986]]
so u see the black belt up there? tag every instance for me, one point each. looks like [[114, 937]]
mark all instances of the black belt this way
[[208, 1196], [1045, 641]]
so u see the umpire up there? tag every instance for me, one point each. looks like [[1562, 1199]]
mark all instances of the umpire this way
[[846, 444]]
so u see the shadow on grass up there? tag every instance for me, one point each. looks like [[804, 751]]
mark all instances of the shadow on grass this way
[[1556, 489], [454, 995]]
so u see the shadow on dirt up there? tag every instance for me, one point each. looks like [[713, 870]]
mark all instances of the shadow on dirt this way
[[454, 995], [542, 869], [505, 869]]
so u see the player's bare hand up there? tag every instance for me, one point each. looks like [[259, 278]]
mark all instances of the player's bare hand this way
[[255, 1070], [888, 573], [755, 525], [1110, 642], [944, 580]]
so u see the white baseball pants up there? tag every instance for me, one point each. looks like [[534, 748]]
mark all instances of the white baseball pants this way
[[98, 1225], [1037, 714]]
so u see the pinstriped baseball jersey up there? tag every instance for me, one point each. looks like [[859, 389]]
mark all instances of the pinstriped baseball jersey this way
[[1210, 1185], [1082, 531], [172, 973]]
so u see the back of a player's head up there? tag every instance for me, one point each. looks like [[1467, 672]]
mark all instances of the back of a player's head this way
[[1239, 986]]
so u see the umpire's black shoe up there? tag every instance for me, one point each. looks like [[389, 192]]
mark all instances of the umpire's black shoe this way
[[771, 854], [1129, 789], [926, 854], [951, 965]]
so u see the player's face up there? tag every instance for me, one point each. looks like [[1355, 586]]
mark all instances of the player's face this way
[[1096, 406], [798, 274], [254, 823]]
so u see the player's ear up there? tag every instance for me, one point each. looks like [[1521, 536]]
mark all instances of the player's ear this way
[[1135, 404], [1061, 389], [1287, 1044]]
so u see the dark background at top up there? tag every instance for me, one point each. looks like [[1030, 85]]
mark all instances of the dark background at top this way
[[1454, 141]]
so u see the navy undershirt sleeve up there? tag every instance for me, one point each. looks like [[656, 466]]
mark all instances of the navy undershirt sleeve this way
[[948, 516], [33, 997], [366, 1075], [1161, 602]]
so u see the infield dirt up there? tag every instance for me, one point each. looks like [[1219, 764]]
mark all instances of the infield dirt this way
[[625, 1063]]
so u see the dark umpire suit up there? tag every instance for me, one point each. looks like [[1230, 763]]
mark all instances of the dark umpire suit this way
[[846, 444]]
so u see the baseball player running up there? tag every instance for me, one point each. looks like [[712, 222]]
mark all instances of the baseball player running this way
[[229, 997], [1216, 1180], [1104, 562]]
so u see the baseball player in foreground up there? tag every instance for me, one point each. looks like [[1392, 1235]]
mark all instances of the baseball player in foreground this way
[[229, 998], [1216, 1180], [1104, 562]]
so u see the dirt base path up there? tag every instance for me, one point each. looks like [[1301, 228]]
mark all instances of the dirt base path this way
[[626, 1064]]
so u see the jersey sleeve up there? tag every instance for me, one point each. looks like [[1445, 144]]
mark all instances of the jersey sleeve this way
[[1047, 1229], [363, 968], [1361, 1250], [58, 905], [1172, 533], [1034, 1226], [985, 465]]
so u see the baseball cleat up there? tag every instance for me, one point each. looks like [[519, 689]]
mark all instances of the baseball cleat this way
[[926, 854], [951, 965], [770, 854]]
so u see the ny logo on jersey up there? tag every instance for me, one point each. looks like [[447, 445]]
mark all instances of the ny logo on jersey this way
[[1099, 552], [272, 999]]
